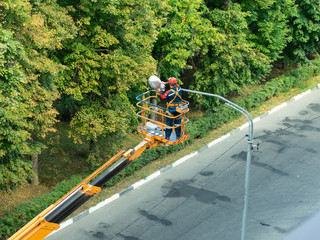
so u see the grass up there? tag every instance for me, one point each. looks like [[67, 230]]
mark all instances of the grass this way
[[64, 158]]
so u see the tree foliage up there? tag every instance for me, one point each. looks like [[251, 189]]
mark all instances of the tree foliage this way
[[184, 35], [305, 31], [269, 24], [28, 32], [232, 60]]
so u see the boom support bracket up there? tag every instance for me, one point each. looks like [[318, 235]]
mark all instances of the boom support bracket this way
[[90, 189], [148, 143], [48, 225]]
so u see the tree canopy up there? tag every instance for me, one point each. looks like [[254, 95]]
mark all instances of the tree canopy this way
[[29, 32]]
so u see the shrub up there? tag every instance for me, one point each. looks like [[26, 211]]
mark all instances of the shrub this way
[[20, 215]]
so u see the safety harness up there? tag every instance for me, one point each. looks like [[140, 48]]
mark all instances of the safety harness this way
[[170, 104]]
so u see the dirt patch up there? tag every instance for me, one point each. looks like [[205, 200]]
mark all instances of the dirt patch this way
[[8, 200]]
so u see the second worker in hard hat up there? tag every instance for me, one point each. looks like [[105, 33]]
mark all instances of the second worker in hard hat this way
[[174, 99]]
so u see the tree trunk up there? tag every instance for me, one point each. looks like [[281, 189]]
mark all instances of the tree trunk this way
[[154, 115], [94, 153], [94, 147], [35, 178]]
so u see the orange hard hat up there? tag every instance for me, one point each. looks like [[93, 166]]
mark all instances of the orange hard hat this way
[[172, 80]]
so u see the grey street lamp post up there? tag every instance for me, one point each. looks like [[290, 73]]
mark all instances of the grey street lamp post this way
[[250, 147]]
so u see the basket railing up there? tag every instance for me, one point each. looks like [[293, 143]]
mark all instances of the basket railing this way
[[159, 113]]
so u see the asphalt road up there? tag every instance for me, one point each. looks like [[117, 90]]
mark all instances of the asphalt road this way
[[202, 198]]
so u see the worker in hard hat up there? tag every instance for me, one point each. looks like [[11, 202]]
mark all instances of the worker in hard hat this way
[[174, 99]]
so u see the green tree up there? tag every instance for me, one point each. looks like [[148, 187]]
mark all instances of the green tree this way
[[108, 61], [184, 35], [13, 112], [305, 31], [269, 24], [29, 32], [232, 61]]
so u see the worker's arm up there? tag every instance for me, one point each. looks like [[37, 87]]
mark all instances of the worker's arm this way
[[163, 95]]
